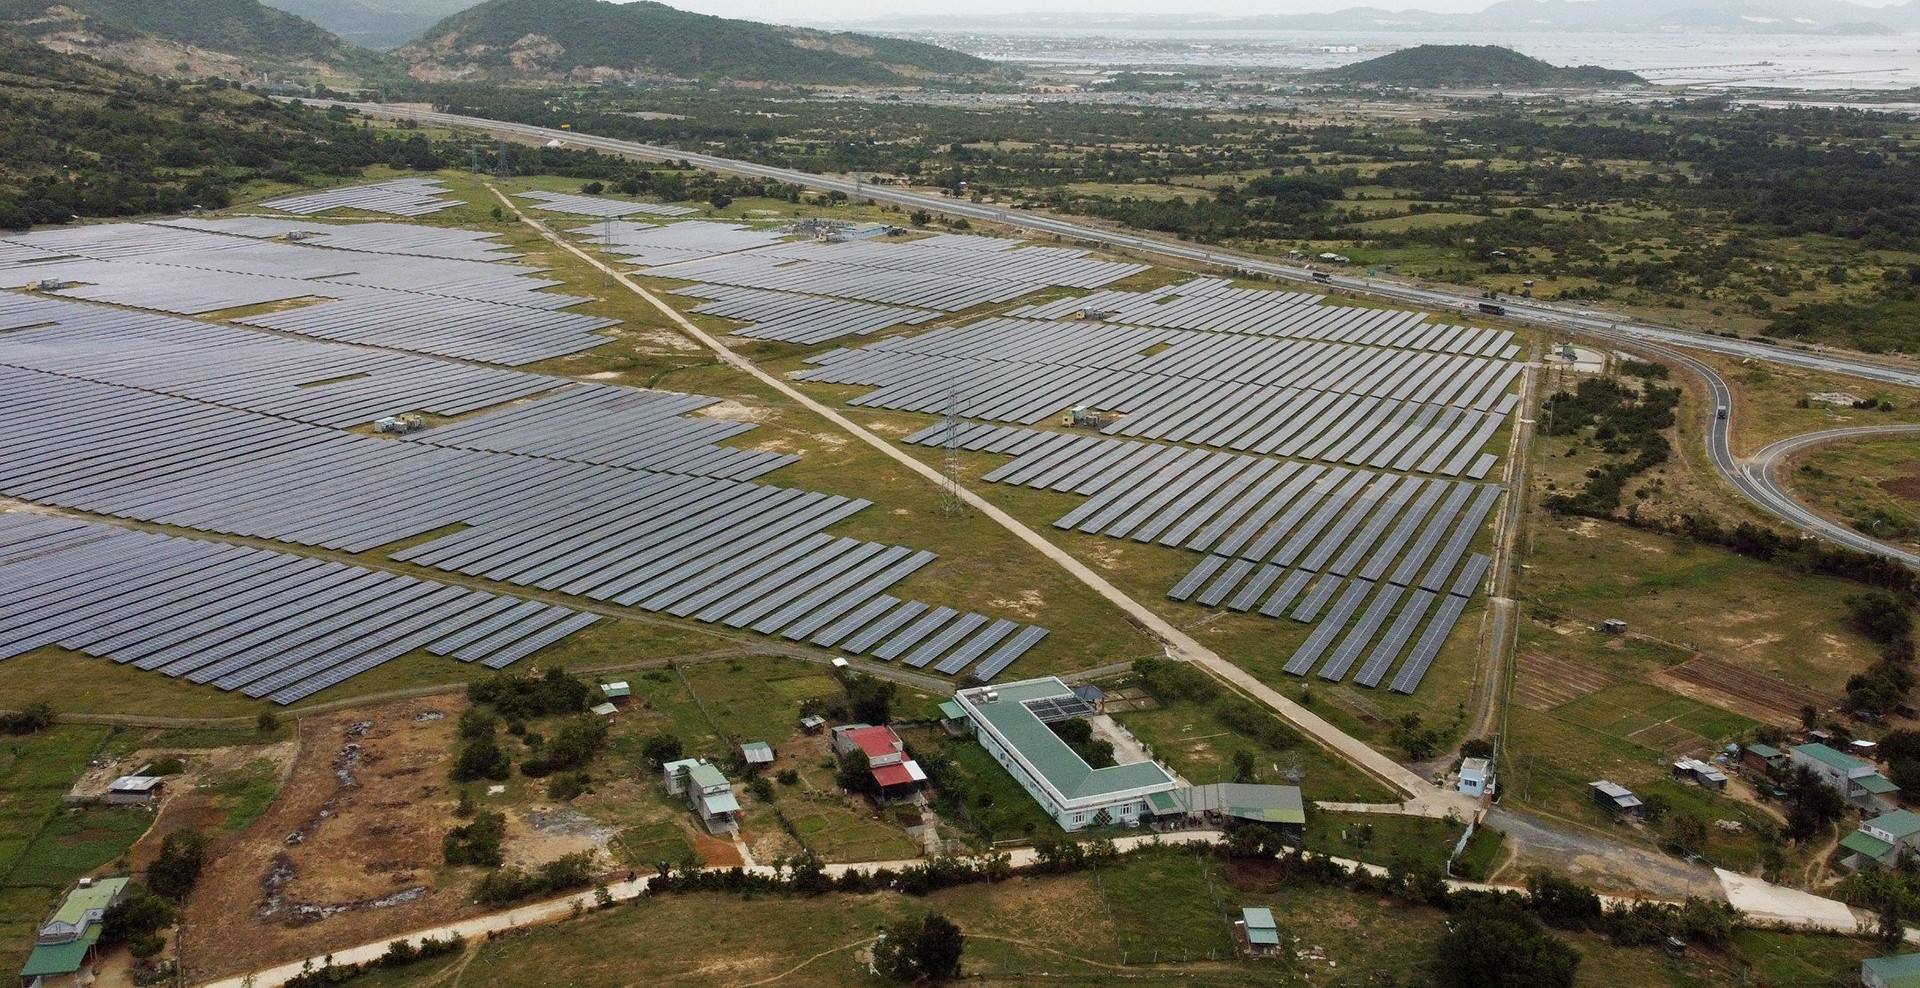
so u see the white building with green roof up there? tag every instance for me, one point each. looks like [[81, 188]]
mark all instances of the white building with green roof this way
[[1860, 782], [1011, 722], [1884, 840]]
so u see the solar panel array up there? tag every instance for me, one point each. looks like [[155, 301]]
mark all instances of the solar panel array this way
[[472, 309], [1215, 305], [272, 625], [318, 383], [625, 427], [1280, 538], [583, 205], [611, 494], [949, 273], [368, 237], [1385, 408], [400, 197], [687, 240], [805, 319]]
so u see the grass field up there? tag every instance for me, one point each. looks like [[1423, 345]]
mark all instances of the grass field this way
[[41, 851], [1779, 623], [1155, 919], [1383, 839], [1194, 742], [1871, 484]]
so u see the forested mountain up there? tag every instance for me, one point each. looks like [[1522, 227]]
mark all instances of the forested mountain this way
[[594, 39], [1472, 65], [189, 38], [79, 138], [378, 24]]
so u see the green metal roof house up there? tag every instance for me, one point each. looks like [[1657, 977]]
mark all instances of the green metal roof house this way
[[66, 940], [1261, 932], [1008, 722], [1883, 840], [1891, 972], [1860, 782]]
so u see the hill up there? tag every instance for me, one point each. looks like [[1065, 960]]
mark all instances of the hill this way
[[588, 39], [191, 39], [1472, 65], [378, 24], [87, 139]]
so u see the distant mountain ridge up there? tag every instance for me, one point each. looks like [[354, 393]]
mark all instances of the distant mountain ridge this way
[[1563, 16], [582, 40], [1428, 66], [208, 37], [378, 24]]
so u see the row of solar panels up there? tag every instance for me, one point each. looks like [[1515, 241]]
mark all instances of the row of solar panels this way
[[584, 205], [321, 383], [949, 274], [459, 308], [805, 319], [366, 237], [400, 197], [1213, 305], [687, 240], [158, 458], [272, 625], [744, 557], [1098, 353], [593, 423], [1254, 509]]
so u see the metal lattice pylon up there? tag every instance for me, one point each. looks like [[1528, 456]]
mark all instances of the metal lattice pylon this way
[[951, 503]]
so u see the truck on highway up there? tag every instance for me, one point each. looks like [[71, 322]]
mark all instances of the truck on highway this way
[[1322, 276], [1493, 310], [1720, 412]]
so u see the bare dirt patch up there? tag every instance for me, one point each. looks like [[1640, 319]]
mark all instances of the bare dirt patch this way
[[1906, 487], [736, 411], [1751, 694], [1545, 682], [1027, 604], [347, 853]]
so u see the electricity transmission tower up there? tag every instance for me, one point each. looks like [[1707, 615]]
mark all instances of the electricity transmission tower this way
[[951, 504]]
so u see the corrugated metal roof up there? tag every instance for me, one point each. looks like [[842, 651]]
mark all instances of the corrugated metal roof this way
[[1861, 842], [1057, 764], [1837, 759], [1258, 917]]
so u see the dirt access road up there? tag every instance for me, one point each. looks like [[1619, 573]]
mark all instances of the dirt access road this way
[[1179, 644]]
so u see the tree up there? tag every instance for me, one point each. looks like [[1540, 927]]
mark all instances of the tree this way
[[925, 950], [660, 749], [477, 843], [140, 914], [1243, 766], [920, 217], [480, 758], [267, 724], [1562, 902], [870, 698], [175, 871], [719, 200], [856, 776], [1496, 943]]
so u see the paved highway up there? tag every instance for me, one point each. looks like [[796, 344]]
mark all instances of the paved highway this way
[[1752, 482], [1762, 473]]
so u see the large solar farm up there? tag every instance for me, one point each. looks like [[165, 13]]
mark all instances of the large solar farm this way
[[269, 453]]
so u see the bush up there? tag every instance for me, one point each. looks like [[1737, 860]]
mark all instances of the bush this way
[[512, 884], [477, 843], [31, 719], [660, 749], [567, 785], [140, 914], [519, 697]]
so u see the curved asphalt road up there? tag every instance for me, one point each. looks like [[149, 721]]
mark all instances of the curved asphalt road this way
[[1750, 480], [1764, 466]]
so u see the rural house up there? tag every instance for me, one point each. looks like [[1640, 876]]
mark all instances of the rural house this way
[[708, 793], [1858, 781]]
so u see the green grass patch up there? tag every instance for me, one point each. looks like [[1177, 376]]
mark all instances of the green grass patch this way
[[78, 840]]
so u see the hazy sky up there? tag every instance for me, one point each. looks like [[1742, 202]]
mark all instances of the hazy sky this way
[[788, 11]]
